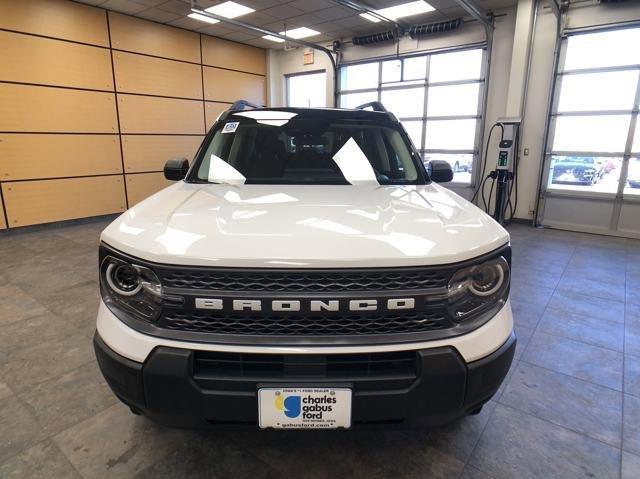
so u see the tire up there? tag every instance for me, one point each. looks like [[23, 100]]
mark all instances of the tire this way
[[476, 411], [135, 411]]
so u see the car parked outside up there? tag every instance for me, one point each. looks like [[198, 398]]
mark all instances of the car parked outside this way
[[578, 170]]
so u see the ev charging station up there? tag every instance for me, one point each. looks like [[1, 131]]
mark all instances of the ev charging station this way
[[506, 166], [505, 173]]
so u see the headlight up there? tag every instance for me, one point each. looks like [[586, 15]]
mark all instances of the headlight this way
[[479, 289], [130, 288], [123, 278]]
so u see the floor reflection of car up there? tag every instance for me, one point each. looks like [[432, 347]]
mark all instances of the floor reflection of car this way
[[633, 177], [579, 170]]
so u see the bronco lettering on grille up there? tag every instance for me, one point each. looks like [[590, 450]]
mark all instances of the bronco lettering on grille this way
[[309, 305]]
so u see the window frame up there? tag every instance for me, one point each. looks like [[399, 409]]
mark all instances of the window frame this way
[[426, 84], [288, 76]]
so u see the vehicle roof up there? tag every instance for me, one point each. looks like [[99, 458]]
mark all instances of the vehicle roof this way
[[325, 113]]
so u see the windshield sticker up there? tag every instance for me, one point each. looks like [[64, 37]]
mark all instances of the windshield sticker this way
[[230, 127], [222, 172], [354, 165]]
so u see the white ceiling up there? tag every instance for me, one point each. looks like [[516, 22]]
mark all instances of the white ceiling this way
[[325, 16]]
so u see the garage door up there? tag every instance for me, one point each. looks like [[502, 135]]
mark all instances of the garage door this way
[[591, 178], [438, 97]]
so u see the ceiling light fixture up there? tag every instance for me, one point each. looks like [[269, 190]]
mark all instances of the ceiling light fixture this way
[[400, 11], [202, 18], [229, 10], [273, 39], [296, 33]]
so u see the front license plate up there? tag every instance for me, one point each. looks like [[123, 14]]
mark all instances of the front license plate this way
[[304, 408]]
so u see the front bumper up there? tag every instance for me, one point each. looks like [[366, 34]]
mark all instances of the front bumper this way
[[171, 389]]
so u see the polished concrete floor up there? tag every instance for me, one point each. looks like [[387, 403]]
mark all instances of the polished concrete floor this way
[[570, 407]]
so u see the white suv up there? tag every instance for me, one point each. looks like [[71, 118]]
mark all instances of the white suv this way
[[306, 271]]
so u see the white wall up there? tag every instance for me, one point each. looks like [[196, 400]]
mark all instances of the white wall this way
[[281, 63], [589, 13], [535, 112]]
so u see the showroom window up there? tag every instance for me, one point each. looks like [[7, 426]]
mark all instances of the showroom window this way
[[306, 90], [594, 145], [437, 97]]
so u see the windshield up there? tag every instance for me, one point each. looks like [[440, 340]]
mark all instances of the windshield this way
[[249, 149]]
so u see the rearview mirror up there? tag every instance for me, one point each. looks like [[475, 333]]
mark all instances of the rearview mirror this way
[[440, 171], [176, 169]]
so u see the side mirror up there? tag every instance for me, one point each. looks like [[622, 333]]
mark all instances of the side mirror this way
[[176, 169], [440, 171]]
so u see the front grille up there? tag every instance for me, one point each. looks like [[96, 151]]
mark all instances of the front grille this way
[[307, 325], [304, 281], [305, 284], [221, 366]]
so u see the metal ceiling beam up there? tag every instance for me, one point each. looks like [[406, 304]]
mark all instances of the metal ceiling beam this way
[[264, 31], [476, 12]]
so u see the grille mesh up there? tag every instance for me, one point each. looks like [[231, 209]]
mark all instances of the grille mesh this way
[[302, 325], [301, 282]]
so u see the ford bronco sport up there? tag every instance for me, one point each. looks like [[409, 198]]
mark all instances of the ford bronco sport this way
[[306, 271]]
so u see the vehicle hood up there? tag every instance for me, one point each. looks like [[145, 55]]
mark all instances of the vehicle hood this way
[[304, 226]]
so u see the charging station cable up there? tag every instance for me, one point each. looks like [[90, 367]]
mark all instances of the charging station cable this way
[[484, 161]]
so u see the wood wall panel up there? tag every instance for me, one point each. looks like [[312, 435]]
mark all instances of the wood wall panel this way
[[143, 185], [3, 224], [212, 110], [48, 109], [141, 36], [156, 76], [56, 18], [30, 156], [34, 202], [62, 154], [217, 52], [29, 59], [226, 85], [143, 114], [151, 152]]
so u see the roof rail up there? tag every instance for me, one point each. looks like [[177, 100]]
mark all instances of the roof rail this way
[[243, 105], [375, 106]]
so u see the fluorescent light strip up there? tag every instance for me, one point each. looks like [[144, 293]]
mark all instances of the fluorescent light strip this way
[[302, 32], [202, 18], [400, 11], [229, 10], [273, 39]]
